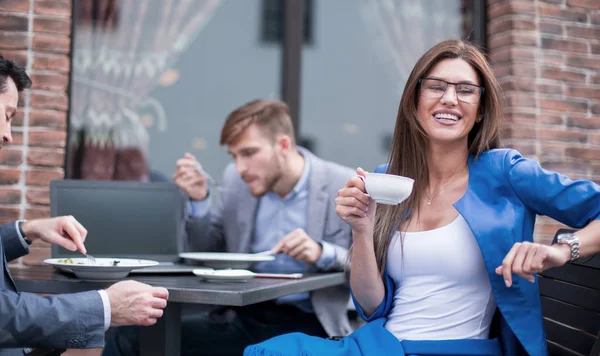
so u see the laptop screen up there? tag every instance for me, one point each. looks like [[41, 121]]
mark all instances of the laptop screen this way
[[123, 219]]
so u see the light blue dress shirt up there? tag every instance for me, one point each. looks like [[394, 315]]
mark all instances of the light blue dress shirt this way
[[275, 218]]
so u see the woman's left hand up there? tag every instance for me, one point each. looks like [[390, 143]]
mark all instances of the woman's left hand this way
[[526, 258]]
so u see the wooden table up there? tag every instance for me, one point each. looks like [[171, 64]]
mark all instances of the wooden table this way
[[164, 337]]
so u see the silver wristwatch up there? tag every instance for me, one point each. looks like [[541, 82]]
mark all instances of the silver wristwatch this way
[[572, 240]]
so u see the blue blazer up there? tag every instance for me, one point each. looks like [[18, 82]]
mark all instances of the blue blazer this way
[[26, 319], [504, 195]]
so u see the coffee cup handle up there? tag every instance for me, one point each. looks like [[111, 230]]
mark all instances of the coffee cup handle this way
[[364, 181]]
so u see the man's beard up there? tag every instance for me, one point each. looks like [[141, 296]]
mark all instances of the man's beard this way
[[271, 180]]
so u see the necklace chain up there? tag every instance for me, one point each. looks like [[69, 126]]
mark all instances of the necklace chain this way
[[443, 186]]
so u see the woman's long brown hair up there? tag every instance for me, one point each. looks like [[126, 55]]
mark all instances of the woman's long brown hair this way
[[408, 152]]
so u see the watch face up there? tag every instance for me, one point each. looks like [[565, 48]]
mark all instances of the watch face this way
[[565, 238]]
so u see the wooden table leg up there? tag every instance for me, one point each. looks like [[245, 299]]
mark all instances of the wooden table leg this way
[[164, 337]]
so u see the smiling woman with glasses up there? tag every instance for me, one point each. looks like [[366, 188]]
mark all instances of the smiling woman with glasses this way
[[452, 269], [465, 92]]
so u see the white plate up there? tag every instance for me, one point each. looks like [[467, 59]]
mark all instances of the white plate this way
[[225, 275], [104, 269], [226, 259]]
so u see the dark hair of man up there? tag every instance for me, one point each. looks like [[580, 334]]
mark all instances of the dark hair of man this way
[[8, 69]]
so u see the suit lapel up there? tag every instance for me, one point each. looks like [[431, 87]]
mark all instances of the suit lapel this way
[[246, 207], [317, 198]]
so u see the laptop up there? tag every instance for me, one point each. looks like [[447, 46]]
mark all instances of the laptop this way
[[125, 219]]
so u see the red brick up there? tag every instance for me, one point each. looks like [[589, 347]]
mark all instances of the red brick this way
[[520, 131], [47, 138], [583, 62], [583, 32], [13, 40], [586, 4], [552, 89], [36, 256], [56, 63], [595, 17], [37, 212], [549, 135], [507, 24], [52, 44], [595, 79], [11, 156], [563, 75], [525, 148], [521, 100], [576, 15], [563, 105], [583, 122], [14, 5], [48, 118], [595, 139], [551, 119], [563, 166], [511, 7], [583, 92], [552, 28], [10, 196], [552, 149], [595, 48], [511, 55], [42, 177], [513, 39], [8, 215], [38, 196], [9, 176], [596, 109], [564, 45], [518, 84], [50, 81], [53, 7], [556, 2], [51, 101], [13, 22], [588, 153], [59, 26], [19, 57], [553, 59], [46, 158]]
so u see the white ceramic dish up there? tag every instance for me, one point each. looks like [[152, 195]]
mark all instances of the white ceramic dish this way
[[227, 260], [225, 275], [104, 269]]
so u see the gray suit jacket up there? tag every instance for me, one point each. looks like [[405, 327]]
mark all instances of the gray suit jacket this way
[[28, 320], [230, 226]]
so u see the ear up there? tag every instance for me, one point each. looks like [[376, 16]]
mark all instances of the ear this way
[[285, 143], [479, 118]]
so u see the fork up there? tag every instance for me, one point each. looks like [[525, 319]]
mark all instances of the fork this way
[[210, 179], [91, 259]]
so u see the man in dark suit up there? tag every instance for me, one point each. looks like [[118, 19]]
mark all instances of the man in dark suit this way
[[63, 321]]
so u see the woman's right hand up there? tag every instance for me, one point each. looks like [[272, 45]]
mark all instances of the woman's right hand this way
[[354, 206]]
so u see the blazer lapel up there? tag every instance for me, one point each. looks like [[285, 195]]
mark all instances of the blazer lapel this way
[[317, 199]]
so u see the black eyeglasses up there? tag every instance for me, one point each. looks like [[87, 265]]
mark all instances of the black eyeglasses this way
[[436, 88]]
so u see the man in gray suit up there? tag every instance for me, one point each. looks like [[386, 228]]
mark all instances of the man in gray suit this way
[[279, 197], [62, 321]]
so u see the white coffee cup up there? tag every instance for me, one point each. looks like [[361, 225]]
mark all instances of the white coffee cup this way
[[388, 189]]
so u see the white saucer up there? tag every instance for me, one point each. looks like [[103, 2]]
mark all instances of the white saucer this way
[[104, 269], [225, 275]]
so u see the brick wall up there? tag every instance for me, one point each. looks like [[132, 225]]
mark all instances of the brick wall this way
[[546, 54], [35, 34]]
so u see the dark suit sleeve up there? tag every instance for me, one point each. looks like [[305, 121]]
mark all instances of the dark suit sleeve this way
[[63, 321], [11, 242]]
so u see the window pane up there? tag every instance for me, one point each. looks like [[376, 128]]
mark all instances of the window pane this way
[[354, 73], [153, 79]]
